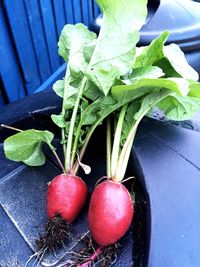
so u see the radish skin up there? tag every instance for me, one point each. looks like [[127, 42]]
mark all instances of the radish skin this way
[[110, 212], [66, 196]]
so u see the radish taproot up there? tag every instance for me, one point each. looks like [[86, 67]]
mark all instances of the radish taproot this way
[[110, 212], [66, 196]]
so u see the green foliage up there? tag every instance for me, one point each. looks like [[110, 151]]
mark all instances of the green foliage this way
[[115, 48], [141, 73], [58, 87], [177, 108], [170, 58], [26, 146], [105, 73]]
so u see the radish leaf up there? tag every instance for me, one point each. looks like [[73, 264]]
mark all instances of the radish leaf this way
[[147, 56], [59, 120], [141, 73], [194, 89], [179, 63], [126, 92], [71, 44], [114, 53], [129, 120], [170, 58], [26, 146], [177, 108], [58, 87]]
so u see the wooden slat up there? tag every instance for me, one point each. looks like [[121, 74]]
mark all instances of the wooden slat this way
[[59, 74], [69, 11], [50, 31], [77, 11], [38, 37], [23, 42], [9, 70]]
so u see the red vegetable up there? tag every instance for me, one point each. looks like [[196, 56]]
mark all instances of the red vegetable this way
[[66, 196], [110, 212]]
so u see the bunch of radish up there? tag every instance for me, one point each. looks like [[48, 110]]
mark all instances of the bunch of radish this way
[[107, 77]]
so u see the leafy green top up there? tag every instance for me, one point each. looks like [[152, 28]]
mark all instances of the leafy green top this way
[[108, 75]]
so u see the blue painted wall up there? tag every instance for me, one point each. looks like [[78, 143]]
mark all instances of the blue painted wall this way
[[29, 32]]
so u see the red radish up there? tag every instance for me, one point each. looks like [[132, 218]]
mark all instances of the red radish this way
[[110, 212], [66, 196]]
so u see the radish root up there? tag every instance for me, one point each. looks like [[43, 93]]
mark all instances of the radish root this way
[[57, 231]]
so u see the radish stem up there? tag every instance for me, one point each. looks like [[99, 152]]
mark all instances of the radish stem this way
[[126, 150], [58, 160], [91, 258], [125, 153], [68, 161], [108, 148], [116, 143], [11, 128], [63, 109]]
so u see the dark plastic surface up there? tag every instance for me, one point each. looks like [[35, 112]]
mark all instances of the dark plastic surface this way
[[166, 162], [169, 169], [182, 20], [23, 191]]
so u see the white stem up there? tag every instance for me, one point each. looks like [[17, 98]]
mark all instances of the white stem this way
[[116, 143]]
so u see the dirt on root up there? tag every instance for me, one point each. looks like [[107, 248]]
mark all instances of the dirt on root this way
[[57, 231]]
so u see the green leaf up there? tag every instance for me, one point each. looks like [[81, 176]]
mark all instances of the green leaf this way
[[59, 120], [74, 43], [177, 108], [146, 56], [129, 119], [58, 87], [194, 89], [143, 72], [115, 48], [26, 146], [70, 97], [71, 43], [150, 101], [98, 109], [170, 58], [178, 61], [126, 92], [91, 91]]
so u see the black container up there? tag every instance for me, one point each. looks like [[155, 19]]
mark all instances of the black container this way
[[165, 159], [181, 18], [23, 192]]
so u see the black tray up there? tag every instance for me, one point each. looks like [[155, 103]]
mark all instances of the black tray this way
[[166, 161]]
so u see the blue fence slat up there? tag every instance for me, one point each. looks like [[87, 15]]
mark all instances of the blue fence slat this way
[[38, 37], [96, 9], [59, 74], [77, 11], [50, 31], [69, 11], [9, 70], [59, 11], [90, 6], [85, 12], [23, 42]]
